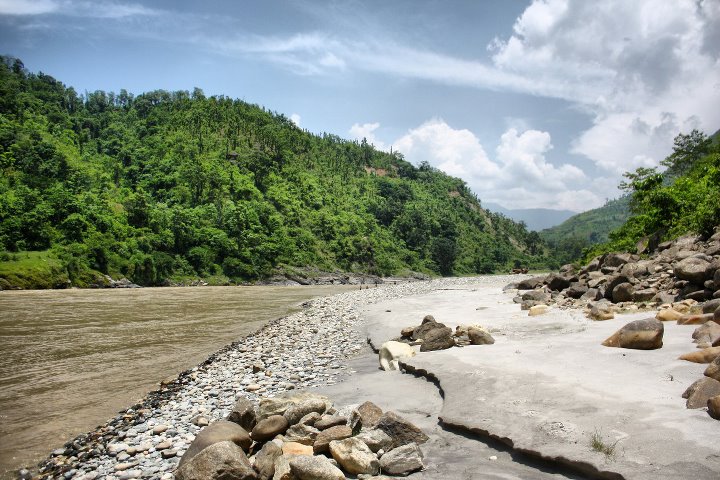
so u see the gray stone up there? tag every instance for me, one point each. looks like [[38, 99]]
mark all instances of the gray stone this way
[[301, 433], [618, 259], [354, 456], [244, 414], [530, 283], [402, 460], [324, 438], [713, 370], [557, 282], [711, 305], [216, 432], [576, 290], [375, 439], [400, 430], [265, 460], [644, 295], [623, 292], [693, 269], [328, 421], [295, 412], [305, 467], [707, 333], [536, 295], [220, 461]]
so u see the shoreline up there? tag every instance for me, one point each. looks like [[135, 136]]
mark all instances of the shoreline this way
[[238, 369]]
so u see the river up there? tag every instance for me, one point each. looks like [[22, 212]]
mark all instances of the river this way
[[71, 359]]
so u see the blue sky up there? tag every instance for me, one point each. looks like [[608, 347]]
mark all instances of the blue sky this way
[[536, 103]]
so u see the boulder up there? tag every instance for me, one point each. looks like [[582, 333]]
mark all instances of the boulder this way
[[302, 433], [328, 421], [269, 427], [707, 333], [576, 290], [368, 413], [375, 439], [282, 468], [480, 336], [295, 412], [705, 355], [423, 330], [557, 282], [612, 282], [400, 430], [536, 295], [695, 319], [530, 283], [618, 259], [407, 332], [354, 456], [538, 310], [314, 468], [278, 405], [700, 391], [219, 461], [713, 405], [592, 294], [324, 438], [264, 463], [646, 334], [644, 295], [711, 305], [623, 292], [244, 414], [219, 431], [402, 460], [601, 311], [693, 269], [437, 339], [713, 370], [668, 315], [391, 352]]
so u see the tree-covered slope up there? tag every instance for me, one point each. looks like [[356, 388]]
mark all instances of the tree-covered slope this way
[[175, 184]]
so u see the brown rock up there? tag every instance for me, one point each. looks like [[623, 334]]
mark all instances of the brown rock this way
[[330, 421], [407, 332], [437, 339], [711, 305], [623, 292], [644, 334], [530, 283], [708, 333], [700, 391], [706, 355], [314, 468], [268, 428], [713, 405], [324, 438], [265, 460], [216, 432], [480, 336], [295, 412], [695, 319], [369, 414], [713, 370], [601, 312], [668, 315], [354, 456], [295, 448], [557, 282], [400, 430]]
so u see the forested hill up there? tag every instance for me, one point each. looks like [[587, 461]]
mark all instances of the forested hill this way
[[178, 185]]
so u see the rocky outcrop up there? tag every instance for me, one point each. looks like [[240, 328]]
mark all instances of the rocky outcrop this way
[[686, 268]]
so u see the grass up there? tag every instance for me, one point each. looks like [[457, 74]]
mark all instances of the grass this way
[[31, 270], [598, 444]]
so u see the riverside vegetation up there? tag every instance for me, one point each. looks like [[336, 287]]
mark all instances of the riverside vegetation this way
[[177, 185]]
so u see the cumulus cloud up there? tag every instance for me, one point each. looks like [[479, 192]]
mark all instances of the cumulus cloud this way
[[295, 118], [27, 7], [110, 10], [520, 175], [367, 131], [650, 70]]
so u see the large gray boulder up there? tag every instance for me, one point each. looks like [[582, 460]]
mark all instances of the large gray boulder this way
[[693, 269], [295, 412], [530, 283], [216, 432], [322, 441], [623, 292], [268, 428], [402, 460], [644, 334], [701, 391], [557, 282], [265, 460], [220, 461]]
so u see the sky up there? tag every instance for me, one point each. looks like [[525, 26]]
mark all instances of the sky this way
[[534, 103]]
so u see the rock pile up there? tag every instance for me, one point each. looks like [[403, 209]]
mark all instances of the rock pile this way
[[303, 436], [686, 268], [432, 335]]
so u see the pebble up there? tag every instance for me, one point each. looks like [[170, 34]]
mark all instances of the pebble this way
[[307, 349]]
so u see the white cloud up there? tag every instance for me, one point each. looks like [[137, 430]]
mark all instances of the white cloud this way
[[367, 131], [295, 118], [519, 177], [27, 7]]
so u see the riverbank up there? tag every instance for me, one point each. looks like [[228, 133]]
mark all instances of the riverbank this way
[[528, 406]]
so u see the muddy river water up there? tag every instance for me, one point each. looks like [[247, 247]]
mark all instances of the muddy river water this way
[[71, 359]]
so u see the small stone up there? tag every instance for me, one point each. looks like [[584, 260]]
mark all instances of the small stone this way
[[538, 310], [158, 429], [295, 448]]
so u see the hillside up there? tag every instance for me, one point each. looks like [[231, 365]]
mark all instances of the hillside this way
[[534, 218], [172, 185]]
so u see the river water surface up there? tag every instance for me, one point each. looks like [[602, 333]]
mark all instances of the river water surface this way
[[71, 359]]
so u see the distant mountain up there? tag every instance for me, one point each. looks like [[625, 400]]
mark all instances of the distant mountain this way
[[535, 218]]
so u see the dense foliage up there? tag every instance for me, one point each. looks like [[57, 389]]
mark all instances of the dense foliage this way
[[685, 198], [176, 185], [570, 239]]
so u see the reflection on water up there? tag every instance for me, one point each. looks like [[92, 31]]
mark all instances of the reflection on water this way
[[70, 359]]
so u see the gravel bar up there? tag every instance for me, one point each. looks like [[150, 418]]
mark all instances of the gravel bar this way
[[301, 351]]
